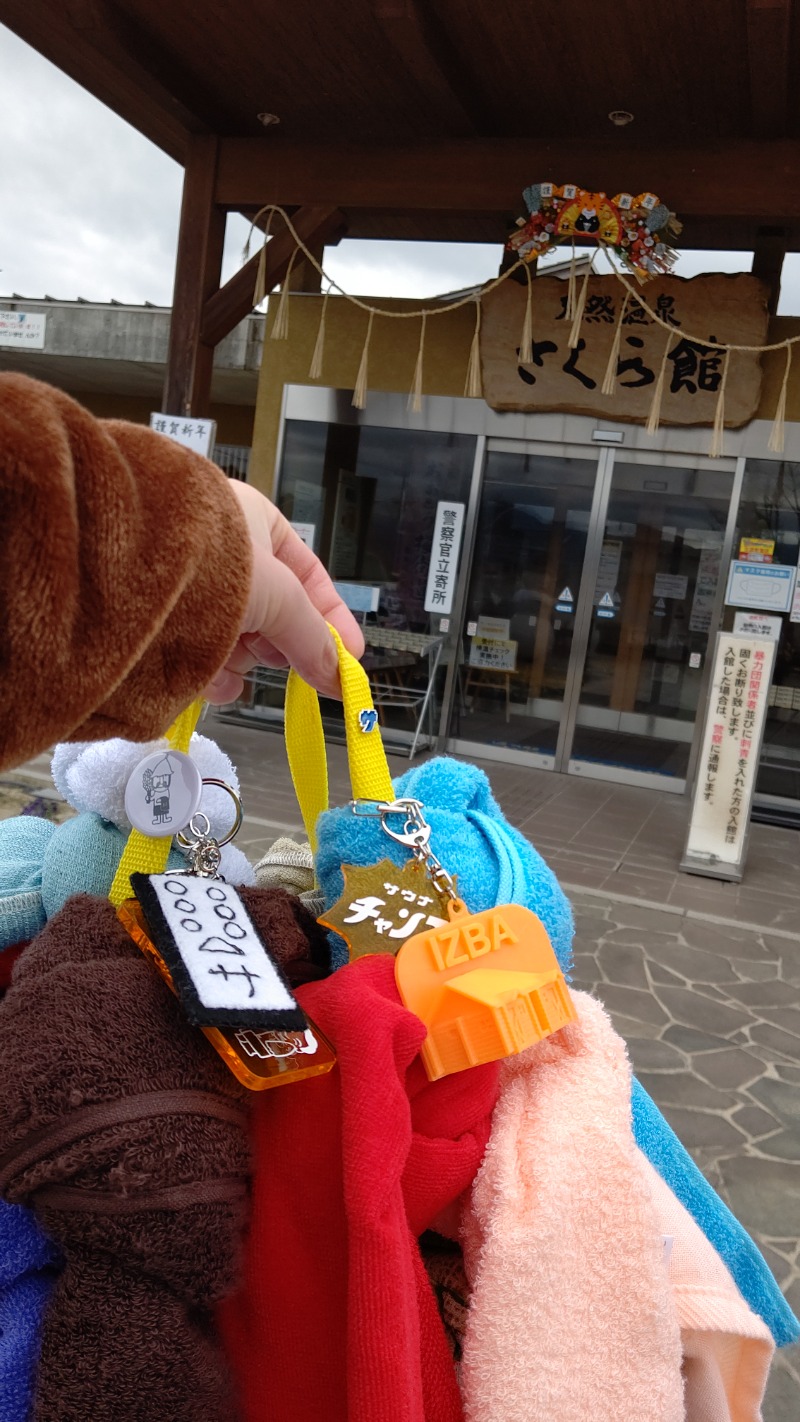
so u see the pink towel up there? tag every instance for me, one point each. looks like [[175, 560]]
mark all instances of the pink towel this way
[[727, 1349], [571, 1317]]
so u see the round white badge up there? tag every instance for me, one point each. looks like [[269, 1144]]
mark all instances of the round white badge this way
[[163, 793]]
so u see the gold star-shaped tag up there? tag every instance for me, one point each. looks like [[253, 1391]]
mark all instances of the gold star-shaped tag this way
[[382, 906]]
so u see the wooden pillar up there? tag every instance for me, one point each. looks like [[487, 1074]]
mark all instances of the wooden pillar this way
[[636, 615], [187, 386], [305, 277], [768, 255], [547, 600]]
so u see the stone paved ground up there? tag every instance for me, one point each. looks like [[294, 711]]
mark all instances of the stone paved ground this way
[[702, 979], [711, 1015]]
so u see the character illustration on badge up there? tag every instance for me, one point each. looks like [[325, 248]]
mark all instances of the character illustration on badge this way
[[277, 1044], [156, 783]]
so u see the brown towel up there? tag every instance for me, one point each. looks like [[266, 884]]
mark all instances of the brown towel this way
[[125, 1132]]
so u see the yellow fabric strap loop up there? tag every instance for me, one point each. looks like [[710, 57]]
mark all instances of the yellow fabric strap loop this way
[[143, 854], [305, 742]]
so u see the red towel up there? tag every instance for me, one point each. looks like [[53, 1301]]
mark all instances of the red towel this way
[[336, 1321]]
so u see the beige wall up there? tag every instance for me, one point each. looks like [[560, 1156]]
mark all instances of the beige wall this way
[[392, 357]]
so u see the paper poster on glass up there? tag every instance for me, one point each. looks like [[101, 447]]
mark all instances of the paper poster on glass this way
[[493, 655], [768, 586], [494, 629]]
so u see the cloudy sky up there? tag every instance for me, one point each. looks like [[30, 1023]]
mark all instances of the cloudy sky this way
[[90, 208]]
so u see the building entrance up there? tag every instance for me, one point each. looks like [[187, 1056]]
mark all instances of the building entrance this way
[[591, 595], [568, 623]]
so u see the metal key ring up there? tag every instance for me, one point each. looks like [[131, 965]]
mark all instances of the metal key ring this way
[[201, 834]]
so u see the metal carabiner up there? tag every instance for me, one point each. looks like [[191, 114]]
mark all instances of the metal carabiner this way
[[416, 832]]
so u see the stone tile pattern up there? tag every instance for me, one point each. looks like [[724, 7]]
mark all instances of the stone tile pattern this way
[[711, 1016], [701, 978]]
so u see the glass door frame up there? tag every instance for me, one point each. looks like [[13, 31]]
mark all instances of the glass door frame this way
[[485, 446], [673, 784], [562, 760]]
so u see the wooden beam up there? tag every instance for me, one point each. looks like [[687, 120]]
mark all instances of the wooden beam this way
[[409, 30], [187, 386], [225, 308], [739, 179], [768, 59], [768, 254]]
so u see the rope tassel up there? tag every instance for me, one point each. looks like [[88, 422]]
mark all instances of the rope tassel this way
[[473, 388], [526, 343], [777, 435], [315, 368], [717, 448], [610, 378], [654, 418], [572, 286], [261, 277], [280, 326], [415, 398], [261, 274], [360, 387], [575, 333]]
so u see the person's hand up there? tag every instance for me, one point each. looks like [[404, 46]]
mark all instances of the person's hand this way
[[291, 599]]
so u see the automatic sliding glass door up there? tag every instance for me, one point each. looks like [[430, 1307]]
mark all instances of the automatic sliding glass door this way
[[516, 640], [650, 621]]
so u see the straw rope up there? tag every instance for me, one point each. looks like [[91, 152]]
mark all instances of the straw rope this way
[[575, 307], [442, 308]]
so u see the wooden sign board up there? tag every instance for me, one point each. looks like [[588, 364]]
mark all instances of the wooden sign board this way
[[730, 308]]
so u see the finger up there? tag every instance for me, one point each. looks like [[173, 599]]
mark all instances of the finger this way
[[265, 652], [226, 686], [253, 651], [289, 547], [280, 610]]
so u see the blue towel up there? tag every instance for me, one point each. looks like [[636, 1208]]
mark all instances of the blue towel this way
[[28, 1263], [82, 858], [23, 841], [495, 864], [469, 834], [660, 1144]]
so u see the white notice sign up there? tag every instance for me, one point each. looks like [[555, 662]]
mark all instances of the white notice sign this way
[[199, 435], [705, 590], [670, 585], [493, 655], [23, 329], [494, 629], [728, 763], [443, 563], [766, 585], [757, 624]]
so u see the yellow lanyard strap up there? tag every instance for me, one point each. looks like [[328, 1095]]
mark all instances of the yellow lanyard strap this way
[[305, 742], [142, 854]]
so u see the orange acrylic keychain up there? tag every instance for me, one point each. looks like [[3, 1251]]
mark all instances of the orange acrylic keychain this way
[[487, 986]]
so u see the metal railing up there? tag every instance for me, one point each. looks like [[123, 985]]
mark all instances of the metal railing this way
[[234, 459]]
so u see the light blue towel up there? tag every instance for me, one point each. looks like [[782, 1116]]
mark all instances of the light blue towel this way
[[28, 1265], [495, 864], [23, 842], [42, 865]]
